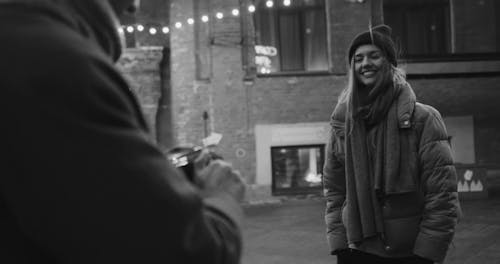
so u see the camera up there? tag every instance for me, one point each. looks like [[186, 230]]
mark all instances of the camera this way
[[183, 158]]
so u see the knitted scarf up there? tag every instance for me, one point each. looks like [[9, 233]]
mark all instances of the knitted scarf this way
[[370, 177]]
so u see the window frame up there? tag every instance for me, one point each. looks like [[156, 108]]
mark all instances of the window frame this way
[[297, 190], [301, 10], [447, 57]]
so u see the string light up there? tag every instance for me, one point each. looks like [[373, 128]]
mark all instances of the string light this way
[[204, 18], [286, 2]]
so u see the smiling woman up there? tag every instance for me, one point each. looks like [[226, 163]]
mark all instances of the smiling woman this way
[[389, 178]]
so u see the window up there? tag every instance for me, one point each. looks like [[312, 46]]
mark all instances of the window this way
[[290, 36], [445, 29], [297, 169]]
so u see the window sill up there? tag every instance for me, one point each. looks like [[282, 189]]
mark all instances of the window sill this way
[[452, 67], [294, 73]]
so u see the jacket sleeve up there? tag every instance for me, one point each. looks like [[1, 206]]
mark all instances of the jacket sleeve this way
[[87, 184], [439, 181], [335, 192]]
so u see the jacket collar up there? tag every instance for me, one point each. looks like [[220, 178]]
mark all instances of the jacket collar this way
[[405, 106]]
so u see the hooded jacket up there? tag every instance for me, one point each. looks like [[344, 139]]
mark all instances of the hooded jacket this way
[[421, 222], [81, 180]]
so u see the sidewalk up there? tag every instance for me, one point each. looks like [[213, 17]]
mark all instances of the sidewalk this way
[[292, 231]]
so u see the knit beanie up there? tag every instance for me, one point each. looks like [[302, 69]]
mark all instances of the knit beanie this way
[[379, 36]]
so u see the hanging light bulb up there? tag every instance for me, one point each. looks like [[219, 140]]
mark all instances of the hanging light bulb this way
[[235, 12], [178, 24], [130, 29], [287, 2], [165, 30], [269, 3], [204, 18], [120, 29], [219, 15], [152, 31], [190, 21], [140, 28], [251, 8]]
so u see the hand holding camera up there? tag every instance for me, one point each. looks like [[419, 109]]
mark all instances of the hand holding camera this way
[[220, 177], [206, 169]]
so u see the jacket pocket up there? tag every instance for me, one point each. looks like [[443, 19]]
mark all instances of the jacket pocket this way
[[400, 233]]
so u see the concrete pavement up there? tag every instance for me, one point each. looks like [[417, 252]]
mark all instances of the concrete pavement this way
[[292, 232]]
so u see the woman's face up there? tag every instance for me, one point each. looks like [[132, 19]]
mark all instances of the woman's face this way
[[368, 62]]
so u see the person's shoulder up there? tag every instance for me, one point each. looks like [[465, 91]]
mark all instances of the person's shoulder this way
[[430, 123], [48, 45], [423, 112], [73, 51]]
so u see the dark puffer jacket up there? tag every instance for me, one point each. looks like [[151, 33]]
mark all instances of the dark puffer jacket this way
[[421, 222]]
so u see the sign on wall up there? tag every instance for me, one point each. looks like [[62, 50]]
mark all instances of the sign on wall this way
[[471, 182], [263, 58]]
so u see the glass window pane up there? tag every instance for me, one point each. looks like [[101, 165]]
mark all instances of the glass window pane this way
[[429, 35], [267, 57], [291, 42], [433, 28], [315, 50], [291, 36], [476, 26], [297, 168]]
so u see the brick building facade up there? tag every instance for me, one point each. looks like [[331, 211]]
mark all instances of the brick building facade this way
[[212, 70]]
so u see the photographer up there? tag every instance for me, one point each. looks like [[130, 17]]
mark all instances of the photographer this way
[[81, 180]]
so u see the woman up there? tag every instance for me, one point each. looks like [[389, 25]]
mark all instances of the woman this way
[[390, 183]]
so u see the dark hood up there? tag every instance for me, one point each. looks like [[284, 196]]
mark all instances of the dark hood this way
[[93, 19]]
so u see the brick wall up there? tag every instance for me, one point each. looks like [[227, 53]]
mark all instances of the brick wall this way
[[235, 106], [141, 69], [476, 96]]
